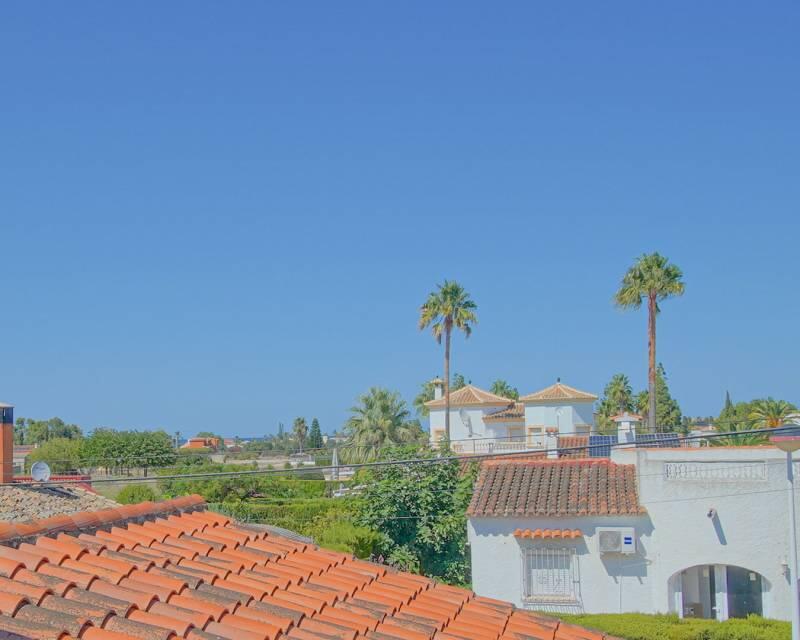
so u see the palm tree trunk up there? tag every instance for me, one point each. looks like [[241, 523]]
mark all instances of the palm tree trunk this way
[[447, 384], [651, 370]]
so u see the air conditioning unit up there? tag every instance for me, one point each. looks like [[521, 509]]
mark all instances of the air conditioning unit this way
[[616, 540]]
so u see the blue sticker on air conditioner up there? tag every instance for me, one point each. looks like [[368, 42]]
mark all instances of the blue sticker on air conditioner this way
[[628, 540]]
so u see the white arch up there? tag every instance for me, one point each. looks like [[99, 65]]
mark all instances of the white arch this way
[[703, 591]]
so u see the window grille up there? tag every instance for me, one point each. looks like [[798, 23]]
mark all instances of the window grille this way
[[551, 575]]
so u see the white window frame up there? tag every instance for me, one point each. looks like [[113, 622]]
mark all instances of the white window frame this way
[[550, 575]]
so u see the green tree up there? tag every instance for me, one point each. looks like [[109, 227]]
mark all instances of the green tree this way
[[770, 413], [300, 430], [501, 388], [136, 493], [448, 308], [458, 382], [668, 411], [421, 511], [380, 419], [63, 455], [426, 394], [315, 436], [617, 398], [652, 279]]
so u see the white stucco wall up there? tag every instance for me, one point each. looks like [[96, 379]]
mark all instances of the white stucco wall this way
[[745, 486], [571, 414], [458, 430], [609, 583]]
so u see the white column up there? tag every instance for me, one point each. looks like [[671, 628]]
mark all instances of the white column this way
[[721, 588]]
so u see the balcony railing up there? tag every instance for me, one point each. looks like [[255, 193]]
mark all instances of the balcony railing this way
[[496, 446]]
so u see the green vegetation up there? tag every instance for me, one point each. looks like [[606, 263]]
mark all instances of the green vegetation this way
[[618, 397], [300, 430], [653, 279], [29, 431], [420, 510], [501, 388], [62, 454], [638, 626], [380, 419], [668, 411], [448, 308], [136, 493], [315, 436], [745, 416]]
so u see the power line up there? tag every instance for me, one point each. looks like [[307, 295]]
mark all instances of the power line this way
[[386, 463]]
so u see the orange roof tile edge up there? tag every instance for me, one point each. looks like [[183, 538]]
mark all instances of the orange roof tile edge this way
[[175, 570], [555, 534]]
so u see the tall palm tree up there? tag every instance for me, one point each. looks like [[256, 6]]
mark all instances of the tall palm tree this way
[[771, 413], [448, 308], [380, 419], [652, 279], [300, 429]]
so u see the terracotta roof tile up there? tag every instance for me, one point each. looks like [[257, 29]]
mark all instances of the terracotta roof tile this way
[[197, 575], [547, 488], [513, 413], [557, 392], [470, 395]]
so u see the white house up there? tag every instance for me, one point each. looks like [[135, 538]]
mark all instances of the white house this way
[[697, 531], [482, 421]]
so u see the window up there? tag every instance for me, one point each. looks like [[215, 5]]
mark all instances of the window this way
[[535, 436], [550, 575]]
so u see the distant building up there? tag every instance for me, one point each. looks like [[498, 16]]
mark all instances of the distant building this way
[[481, 421], [202, 443]]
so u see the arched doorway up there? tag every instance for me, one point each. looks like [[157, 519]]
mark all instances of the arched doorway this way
[[717, 591]]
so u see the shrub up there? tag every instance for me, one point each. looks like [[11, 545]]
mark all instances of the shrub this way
[[136, 493], [639, 626]]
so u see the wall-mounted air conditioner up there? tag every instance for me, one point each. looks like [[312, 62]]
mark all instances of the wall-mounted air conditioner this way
[[616, 540]]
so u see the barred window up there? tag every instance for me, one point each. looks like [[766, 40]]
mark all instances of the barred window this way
[[551, 575]]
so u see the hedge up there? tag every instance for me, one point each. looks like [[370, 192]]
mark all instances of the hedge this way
[[639, 626]]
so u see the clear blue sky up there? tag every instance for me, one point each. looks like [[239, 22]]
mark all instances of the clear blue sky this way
[[221, 216]]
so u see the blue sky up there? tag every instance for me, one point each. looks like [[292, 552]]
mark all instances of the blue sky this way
[[224, 216]]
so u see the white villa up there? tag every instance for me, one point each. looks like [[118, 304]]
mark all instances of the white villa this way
[[700, 532], [481, 421]]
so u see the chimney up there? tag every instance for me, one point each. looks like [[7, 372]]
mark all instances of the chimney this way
[[438, 387], [7, 442], [626, 427], [551, 442]]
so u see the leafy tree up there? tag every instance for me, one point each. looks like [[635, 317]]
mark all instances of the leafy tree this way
[[668, 411], [617, 398], [300, 430], [502, 388], [122, 450], [448, 308], [315, 436], [770, 413], [458, 382], [426, 394], [63, 455], [136, 493], [421, 511], [381, 419], [38, 431], [652, 279]]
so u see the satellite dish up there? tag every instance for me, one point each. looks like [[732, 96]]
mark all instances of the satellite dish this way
[[40, 471], [464, 415]]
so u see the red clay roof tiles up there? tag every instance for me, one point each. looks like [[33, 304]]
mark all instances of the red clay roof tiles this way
[[199, 576], [547, 488]]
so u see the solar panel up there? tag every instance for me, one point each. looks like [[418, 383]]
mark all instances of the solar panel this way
[[657, 440], [600, 446]]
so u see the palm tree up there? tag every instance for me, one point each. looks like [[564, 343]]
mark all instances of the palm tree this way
[[651, 278], [380, 419], [447, 308], [619, 393], [501, 388], [300, 429], [771, 413]]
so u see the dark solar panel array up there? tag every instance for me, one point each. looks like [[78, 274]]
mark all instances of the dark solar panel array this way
[[600, 446], [657, 440]]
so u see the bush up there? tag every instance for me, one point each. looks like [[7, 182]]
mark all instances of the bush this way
[[136, 493], [63, 455], [639, 626]]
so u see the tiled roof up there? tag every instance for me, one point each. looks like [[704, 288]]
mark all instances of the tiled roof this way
[[470, 395], [558, 391], [626, 416], [553, 534], [515, 412], [27, 502], [172, 570], [568, 446], [544, 488]]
